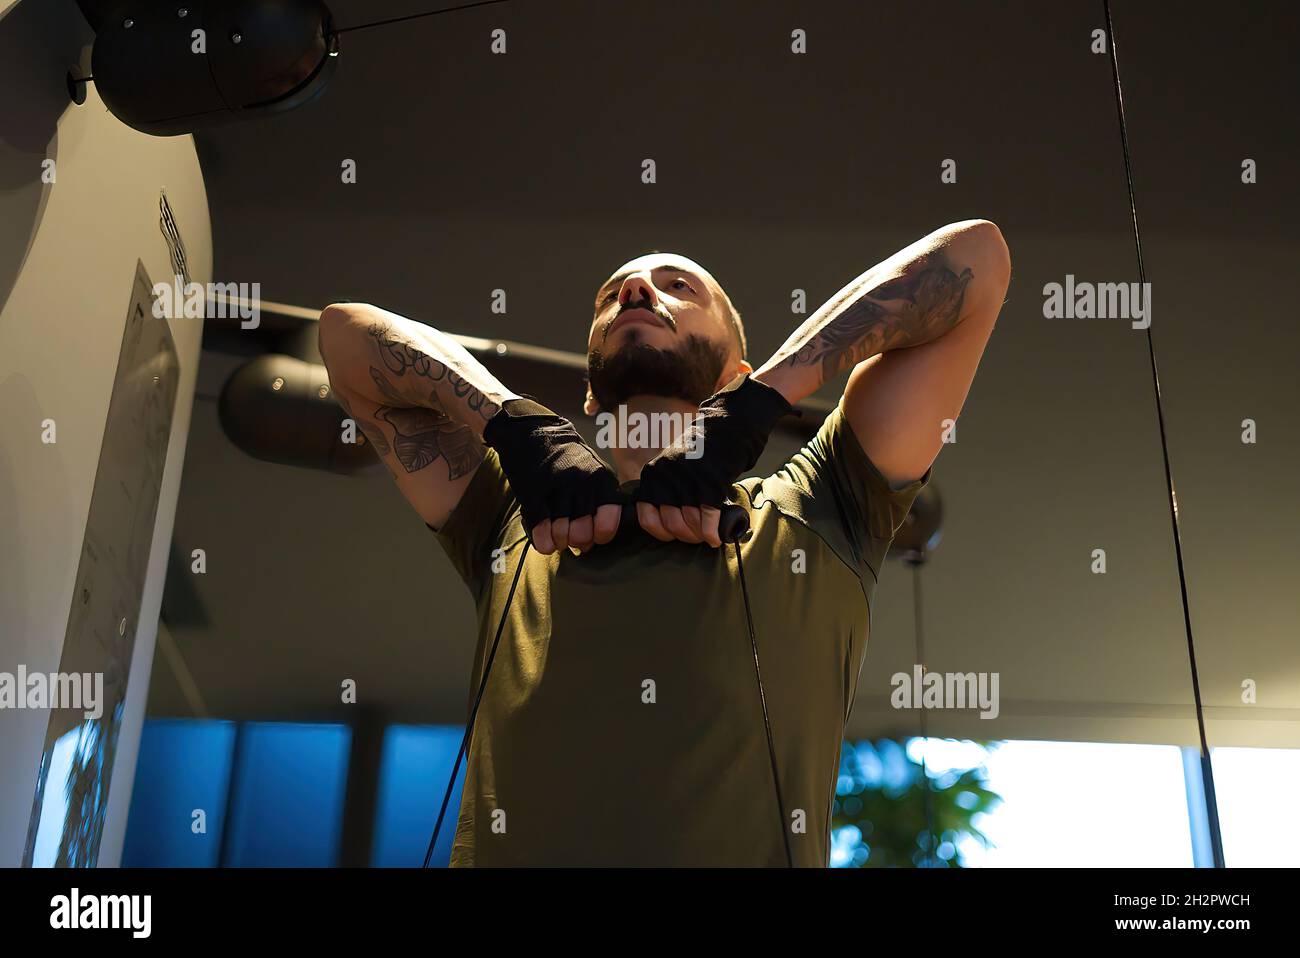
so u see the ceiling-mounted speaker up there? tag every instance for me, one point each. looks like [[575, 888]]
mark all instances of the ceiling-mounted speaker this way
[[281, 409], [174, 67]]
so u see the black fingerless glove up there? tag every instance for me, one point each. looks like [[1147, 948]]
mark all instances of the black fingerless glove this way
[[727, 439], [554, 474]]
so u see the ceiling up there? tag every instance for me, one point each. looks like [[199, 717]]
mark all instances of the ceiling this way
[[779, 172]]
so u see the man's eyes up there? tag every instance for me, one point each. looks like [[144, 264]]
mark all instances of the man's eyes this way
[[613, 294]]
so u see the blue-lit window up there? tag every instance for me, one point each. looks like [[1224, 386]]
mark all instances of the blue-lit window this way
[[417, 761], [287, 802], [183, 769], [272, 795]]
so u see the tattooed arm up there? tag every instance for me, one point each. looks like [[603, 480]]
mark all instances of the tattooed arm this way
[[911, 330], [417, 396]]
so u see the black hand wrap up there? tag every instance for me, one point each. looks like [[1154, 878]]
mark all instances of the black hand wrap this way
[[554, 474], [728, 437]]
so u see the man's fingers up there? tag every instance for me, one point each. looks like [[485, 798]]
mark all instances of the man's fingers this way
[[693, 524], [542, 540], [648, 516], [675, 523], [581, 530], [709, 519], [693, 521], [560, 533], [607, 520]]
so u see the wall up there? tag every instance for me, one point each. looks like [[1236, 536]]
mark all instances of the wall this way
[[68, 253]]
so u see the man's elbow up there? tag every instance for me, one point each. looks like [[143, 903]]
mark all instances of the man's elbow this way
[[978, 245], [336, 339], [986, 248], [340, 314], [334, 323]]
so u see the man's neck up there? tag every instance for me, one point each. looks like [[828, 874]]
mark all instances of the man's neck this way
[[636, 436]]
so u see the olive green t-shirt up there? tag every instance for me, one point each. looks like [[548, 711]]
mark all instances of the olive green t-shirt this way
[[621, 724]]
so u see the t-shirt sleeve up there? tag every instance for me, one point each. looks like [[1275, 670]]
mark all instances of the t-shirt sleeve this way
[[479, 523], [832, 485]]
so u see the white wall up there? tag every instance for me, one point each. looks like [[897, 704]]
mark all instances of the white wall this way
[[60, 334]]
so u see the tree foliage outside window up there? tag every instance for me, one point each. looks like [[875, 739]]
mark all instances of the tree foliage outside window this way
[[880, 820]]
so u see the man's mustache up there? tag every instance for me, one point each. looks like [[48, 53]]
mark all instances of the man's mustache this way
[[657, 308]]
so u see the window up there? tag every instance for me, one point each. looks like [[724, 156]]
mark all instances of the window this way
[[254, 794], [1036, 804], [183, 769], [1252, 785], [416, 764]]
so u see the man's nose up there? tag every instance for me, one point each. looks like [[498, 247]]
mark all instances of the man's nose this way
[[635, 288]]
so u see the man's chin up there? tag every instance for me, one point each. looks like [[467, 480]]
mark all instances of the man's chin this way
[[640, 368]]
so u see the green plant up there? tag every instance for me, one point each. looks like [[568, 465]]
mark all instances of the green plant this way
[[889, 813]]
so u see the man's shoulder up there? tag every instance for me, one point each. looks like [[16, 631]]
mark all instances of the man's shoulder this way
[[831, 487], [790, 514]]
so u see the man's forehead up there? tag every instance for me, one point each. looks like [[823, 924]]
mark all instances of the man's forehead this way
[[653, 261]]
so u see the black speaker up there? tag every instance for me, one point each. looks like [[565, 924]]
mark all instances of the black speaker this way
[[279, 409], [174, 67]]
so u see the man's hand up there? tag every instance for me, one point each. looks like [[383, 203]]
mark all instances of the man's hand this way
[[683, 488], [567, 495]]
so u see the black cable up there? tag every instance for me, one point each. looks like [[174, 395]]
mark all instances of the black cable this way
[[473, 712], [416, 16], [926, 797], [1207, 770], [767, 723]]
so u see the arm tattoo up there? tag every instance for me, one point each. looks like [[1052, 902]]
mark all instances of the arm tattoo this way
[[375, 435], [385, 387], [399, 356], [474, 398], [917, 307], [423, 435]]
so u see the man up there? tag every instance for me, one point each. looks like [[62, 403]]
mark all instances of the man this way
[[622, 723]]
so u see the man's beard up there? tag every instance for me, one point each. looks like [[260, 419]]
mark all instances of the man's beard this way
[[638, 369]]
